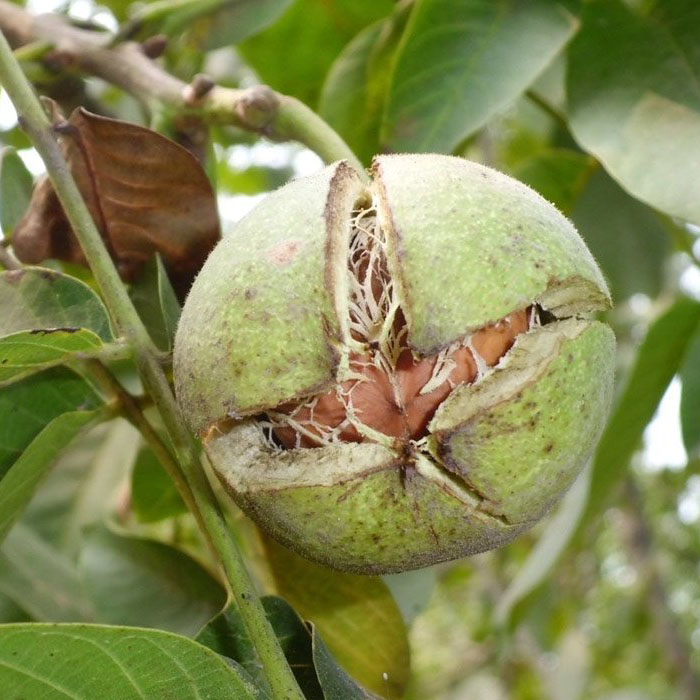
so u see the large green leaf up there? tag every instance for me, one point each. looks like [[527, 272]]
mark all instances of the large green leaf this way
[[84, 662], [15, 190], [153, 493], [460, 61], [660, 357], [37, 299], [99, 492], [28, 406], [146, 583], [343, 103], [211, 24], [236, 20], [18, 484], [226, 635], [625, 236], [355, 89], [356, 615], [633, 88], [560, 175], [690, 396], [41, 580], [310, 34], [28, 352]]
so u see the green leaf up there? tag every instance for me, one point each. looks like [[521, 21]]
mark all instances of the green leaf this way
[[237, 20], [146, 583], [211, 24], [461, 61], [336, 683], [356, 615], [311, 33], [15, 190], [355, 89], [153, 494], [41, 580], [558, 174], [156, 303], [626, 237], [85, 486], [84, 662], [27, 352], [226, 635], [344, 99], [100, 489], [35, 298], [28, 406], [690, 396], [19, 483], [633, 88], [660, 357]]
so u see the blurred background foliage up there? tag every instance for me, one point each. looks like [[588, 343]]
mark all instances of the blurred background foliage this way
[[594, 104]]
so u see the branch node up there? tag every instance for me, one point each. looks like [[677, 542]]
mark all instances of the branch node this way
[[154, 46], [200, 86], [257, 107], [59, 60]]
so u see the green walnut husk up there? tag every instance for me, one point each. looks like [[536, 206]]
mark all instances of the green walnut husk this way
[[268, 322]]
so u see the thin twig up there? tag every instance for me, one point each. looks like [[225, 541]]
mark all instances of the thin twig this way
[[258, 109]]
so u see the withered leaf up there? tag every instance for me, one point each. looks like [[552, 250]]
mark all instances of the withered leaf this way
[[146, 194]]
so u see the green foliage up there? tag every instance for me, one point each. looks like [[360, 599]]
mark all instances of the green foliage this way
[[295, 53], [154, 496], [37, 299], [690, 399], [356, 615], [15, 189], [659, 358], [88, 661], [595, 105], [634, 99], [155, 300], [136, 581], [459, 62], [226, 635]]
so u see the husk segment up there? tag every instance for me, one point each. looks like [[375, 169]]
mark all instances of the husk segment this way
[[264, 320], [520, 248]]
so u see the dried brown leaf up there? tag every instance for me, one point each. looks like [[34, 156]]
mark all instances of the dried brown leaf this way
[[146, 194]]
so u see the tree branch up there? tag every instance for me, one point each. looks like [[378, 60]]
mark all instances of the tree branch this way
[[258, 109], [146, 357]]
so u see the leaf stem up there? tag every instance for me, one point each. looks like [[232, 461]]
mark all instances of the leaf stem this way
[[129, 326]]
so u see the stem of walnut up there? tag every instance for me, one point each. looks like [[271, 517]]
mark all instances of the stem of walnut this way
[[129, 326]]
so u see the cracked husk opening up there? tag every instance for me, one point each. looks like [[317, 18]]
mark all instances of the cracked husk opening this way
[[385, 393]]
